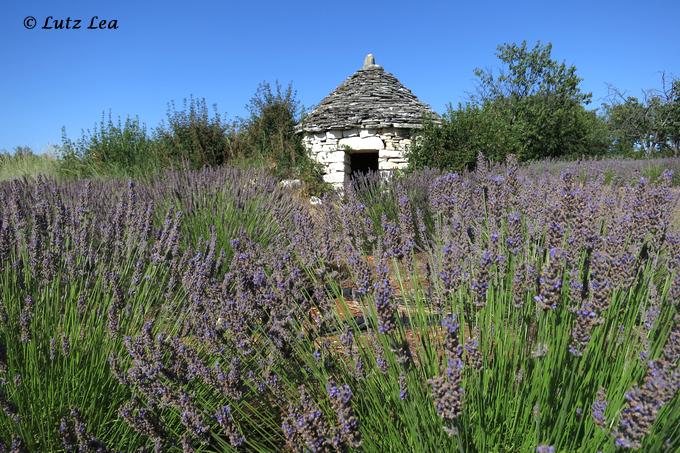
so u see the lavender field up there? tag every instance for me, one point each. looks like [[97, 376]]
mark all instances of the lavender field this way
[[531, 309]]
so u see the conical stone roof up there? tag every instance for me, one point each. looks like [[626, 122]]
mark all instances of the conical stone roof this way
[[371, 98]]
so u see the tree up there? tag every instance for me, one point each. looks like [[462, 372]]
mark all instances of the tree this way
[[539, 101], [528, 73], [647, 125], [532, 107]]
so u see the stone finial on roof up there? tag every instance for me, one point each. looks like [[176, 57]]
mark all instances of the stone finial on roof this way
[[369, 62]]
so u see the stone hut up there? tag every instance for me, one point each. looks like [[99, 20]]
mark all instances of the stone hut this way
[[367, 123]]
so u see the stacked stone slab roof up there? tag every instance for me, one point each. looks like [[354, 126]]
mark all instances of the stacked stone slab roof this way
[[371, 98]]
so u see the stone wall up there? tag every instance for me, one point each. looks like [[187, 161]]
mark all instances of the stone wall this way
[[332, 149]]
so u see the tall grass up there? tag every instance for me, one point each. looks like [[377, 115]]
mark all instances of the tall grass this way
[[27, 166]]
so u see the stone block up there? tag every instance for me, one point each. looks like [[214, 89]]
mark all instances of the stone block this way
[[391, 153], [334, 178], [321, 136], [333, 167], [368, 132], [350, 133], [390, 165], [334, 134], [362, 144], [331, 156]]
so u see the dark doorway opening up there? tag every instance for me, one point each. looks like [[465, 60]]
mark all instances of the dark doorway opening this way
[[362, 163]]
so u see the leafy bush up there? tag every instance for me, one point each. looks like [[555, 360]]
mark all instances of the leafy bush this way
[[269, 130], [192, 135], [269, 134], [111, 148], [196, 138]]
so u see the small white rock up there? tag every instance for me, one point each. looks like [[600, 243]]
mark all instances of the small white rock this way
[[291, 183]]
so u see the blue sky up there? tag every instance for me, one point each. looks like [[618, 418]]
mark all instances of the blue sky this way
[[221, 50]]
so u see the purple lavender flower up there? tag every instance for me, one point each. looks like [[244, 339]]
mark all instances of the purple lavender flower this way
[[25, 319], [144, 422], [68, 440], [473, 357], [519, 284], [601, 286], [305, 427], [191, 417], [391, 240], [361, 270], [671, 351], [451, 345], [480, 283], [514, 236], [585, 321], [348, 424], [447, 390], [380, 360], [406, 226], [450, 273], [17, 445], [383, 297], [643, 404], [545, 449], [403, 387], [77, 430], [599, 407], [226, 422], [8, 408], [550, 281], [65, 345]]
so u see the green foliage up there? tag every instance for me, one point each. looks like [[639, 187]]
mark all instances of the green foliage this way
[[530, 72], [269, 131], [193, 135], [112, 148], [648, 125], [269, 134], [534, 108], [451, 143]]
